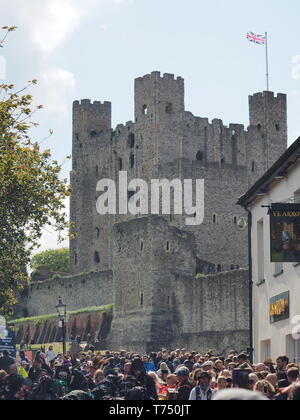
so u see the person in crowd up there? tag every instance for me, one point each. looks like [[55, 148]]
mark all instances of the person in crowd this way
[[138, 371], [149, 366], [6, 361], [184, 386], [202, 392], [51, 355], [23, 358], [281, 364], [98, 377], [265, 388]]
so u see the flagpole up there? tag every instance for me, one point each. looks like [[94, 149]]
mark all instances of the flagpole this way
[[267, 63]]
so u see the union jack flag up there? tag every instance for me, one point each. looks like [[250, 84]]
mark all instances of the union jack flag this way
[[257, 39]]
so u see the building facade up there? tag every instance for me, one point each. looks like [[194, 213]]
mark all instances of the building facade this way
[[276, 286]]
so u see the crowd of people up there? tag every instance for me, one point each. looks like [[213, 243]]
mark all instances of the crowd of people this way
[[165, 375]]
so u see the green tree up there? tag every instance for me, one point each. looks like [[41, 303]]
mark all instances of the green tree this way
[[54, 259], [31, 191]]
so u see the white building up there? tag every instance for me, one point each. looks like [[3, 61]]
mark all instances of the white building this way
[[276, 286]]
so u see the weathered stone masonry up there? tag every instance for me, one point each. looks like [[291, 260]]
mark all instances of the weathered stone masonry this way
[[153, 262]]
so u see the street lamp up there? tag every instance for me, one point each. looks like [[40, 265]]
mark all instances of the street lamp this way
[[62, 312]]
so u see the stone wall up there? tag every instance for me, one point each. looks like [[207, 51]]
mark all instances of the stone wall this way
[[212, 312], [77, 292], [159, 301]]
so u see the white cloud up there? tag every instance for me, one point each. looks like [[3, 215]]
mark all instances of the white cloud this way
[[50, 23], [56, 89]]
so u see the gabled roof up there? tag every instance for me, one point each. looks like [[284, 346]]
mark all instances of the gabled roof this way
[[277, 171]]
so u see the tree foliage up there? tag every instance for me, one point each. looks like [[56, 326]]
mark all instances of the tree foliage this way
[[31, 191], [57, 260]]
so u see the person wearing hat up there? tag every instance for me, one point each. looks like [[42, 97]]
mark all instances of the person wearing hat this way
[[184, 386], [202, 392], [269, 363], [207, 366], [163, 372]]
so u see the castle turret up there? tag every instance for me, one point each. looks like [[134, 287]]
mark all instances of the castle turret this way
[[91, 161], [159, 109], [268, 116]]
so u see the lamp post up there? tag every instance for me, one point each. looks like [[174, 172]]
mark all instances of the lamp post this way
[[62, 312]]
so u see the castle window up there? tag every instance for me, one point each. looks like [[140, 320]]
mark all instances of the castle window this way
[[168, 246], [219, 268], [145, 110], [169, 108], [97, 257], [259, 127], [80, 145], [131, 159], [97, 231], [93, 133], [235, 220], [131, 141], [75, 259], [215, 218], [233, 132], [200, 156], [142, 299], [168, 300], [142, 245], [237, 267], [222, 162], [120, 164], [97, 170], [232, 267], [253, 166], [277, 126]]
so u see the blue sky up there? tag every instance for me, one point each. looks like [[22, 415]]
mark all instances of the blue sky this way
[[95, 48]]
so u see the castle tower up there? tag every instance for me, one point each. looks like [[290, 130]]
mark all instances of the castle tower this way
[[268, 123], [91, 161], [159, 109]]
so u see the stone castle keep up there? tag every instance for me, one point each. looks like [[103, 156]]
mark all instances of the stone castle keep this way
[[170, 284]]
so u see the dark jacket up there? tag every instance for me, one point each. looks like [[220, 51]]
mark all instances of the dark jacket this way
[[5, 362], [184, 391]]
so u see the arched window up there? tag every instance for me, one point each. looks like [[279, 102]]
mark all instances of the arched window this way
[[145, 110], [200, 156], [97, 257], [259, 127], [131, 140]]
